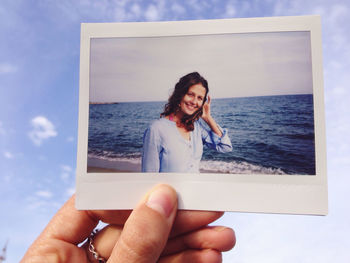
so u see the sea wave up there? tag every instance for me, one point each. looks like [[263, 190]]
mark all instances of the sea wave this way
[[110, 156], [205, 166], [237, 168]]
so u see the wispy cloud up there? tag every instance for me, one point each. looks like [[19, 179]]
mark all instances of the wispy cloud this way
[[6, 68], [44, 194], [230, 10], [152, 13], [65, 172], [42, 129], [70, 139], [8, 155], [178, 9], [66, 168]]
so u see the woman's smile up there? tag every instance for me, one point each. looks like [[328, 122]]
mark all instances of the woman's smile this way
[[191, 106]]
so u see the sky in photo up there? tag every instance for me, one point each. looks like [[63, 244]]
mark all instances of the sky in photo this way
[[235, 65], [39, 80]]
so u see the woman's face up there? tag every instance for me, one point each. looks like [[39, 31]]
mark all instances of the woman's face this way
[[193, 99]]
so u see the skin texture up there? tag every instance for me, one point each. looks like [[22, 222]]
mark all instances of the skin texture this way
[[153, 232], [192, 100]]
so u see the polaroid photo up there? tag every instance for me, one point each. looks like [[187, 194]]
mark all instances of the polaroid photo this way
[[229, 112]]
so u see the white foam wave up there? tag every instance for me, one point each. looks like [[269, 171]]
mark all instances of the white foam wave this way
[[237, 168]]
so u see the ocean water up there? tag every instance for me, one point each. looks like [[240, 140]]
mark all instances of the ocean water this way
[[269, 134]]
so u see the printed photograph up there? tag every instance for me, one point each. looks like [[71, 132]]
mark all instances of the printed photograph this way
[[238, 103]]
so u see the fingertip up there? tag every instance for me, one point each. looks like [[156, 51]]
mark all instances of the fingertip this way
[[162, 199], [147, 229], [228, 235]]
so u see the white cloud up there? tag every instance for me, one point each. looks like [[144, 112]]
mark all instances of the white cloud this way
[[230, 10], [135, 10], [6, 68], [196, 6], [66, 168], [178, 9], [42, 130], [120, 13], [44, 194], [8, 155], [70, 139], [65, 176], [66, 171], [36, 205], [336, 13], [152, 13]]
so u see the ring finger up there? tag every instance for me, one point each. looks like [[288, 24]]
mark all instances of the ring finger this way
[[208, 238]]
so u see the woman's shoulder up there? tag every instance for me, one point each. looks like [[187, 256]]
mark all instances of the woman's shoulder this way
[[158, 124]]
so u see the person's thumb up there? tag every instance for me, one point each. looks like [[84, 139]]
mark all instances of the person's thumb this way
[[146, 231]]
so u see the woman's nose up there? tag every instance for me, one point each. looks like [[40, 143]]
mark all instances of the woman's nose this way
[[194, 100]]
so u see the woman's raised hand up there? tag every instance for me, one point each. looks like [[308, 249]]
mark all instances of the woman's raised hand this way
[[206, 109]]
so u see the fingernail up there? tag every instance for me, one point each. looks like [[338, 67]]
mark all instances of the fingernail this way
[[162, 199]]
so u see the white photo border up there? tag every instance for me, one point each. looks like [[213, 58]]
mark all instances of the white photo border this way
[[289, 194]]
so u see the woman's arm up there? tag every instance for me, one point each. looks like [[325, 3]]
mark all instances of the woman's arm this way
[[151, 150], [212, 135]]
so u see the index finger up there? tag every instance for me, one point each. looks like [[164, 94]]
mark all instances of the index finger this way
[[74, 226]]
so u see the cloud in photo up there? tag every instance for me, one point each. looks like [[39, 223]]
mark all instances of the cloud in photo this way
[[42, 129]]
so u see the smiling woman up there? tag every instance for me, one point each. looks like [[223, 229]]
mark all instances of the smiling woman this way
[[174, 143]]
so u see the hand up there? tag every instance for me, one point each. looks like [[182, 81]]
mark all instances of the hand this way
[[206, 116], [152, 232], [206, 110]]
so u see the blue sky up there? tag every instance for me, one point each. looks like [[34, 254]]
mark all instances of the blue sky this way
[[39, 79]]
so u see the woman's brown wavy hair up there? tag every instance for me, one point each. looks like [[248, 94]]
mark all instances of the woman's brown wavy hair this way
[[181, 89]]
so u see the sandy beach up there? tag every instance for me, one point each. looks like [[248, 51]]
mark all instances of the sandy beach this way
[[96, 165]]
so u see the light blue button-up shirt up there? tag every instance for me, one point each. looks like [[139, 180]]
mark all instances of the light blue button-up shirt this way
[[165, 150]]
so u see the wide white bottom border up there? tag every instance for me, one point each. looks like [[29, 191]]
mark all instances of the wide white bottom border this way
[[298, 196]]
